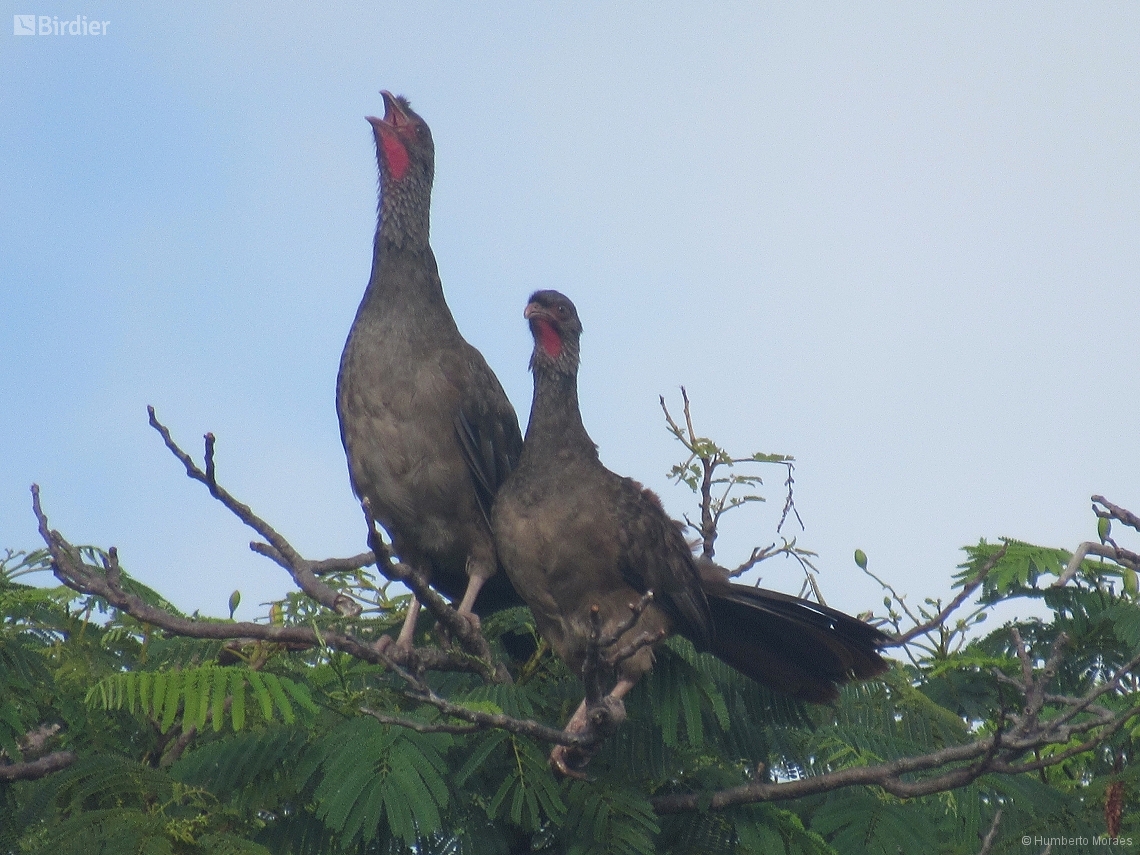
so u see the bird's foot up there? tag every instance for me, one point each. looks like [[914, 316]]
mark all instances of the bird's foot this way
[[473, 621], [595, 722], [397, 651], [569, 762], [606, 716]]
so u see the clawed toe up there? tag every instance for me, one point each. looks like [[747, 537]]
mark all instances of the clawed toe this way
[[569, 762], [392, 649]]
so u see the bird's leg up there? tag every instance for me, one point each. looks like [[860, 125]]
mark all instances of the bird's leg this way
[[404, 641], [604, 716], [475, 583], [408, 630]]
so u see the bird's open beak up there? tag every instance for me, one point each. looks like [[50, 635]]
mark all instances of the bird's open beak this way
[[394, 117]]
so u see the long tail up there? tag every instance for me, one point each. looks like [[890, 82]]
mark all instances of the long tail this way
[[795, 646]]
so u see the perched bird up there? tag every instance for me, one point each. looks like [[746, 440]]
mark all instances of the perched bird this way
[[427, 429], [575, 537]]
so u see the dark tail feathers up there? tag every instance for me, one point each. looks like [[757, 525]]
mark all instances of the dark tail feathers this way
[[795, 646]]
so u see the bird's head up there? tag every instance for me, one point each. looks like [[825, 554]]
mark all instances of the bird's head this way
[[404, 145], [556, 329], [405, 153]]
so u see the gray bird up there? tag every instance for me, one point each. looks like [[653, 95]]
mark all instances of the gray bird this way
[[573, 535], [427, 429]]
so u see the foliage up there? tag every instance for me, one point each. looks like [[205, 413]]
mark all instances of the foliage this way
[[185, 745]]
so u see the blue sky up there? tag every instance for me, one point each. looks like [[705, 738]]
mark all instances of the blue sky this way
[[898, 242]]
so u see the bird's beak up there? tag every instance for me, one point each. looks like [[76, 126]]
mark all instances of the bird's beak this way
[[534, 310], [393, 114], [394, 117]]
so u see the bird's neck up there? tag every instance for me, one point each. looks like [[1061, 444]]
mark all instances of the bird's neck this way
[[404, 216], [405, 284], [555, 418]]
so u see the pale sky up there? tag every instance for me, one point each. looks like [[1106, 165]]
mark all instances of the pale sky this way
[[899, 241]]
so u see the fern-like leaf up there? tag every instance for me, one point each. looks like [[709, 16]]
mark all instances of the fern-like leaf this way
[[364, 771]]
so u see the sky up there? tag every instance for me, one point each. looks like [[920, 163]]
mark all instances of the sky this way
[[898, 241]]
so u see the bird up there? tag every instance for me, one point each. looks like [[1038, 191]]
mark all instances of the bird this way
[[427, 429], [584, 546]]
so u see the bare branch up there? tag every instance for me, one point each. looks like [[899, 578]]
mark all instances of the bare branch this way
[[998, 753], [1104, 550], [69, 568], [763, 553], [34, 743], [323, 567], [645, 639], [71, 571], [522, 727], [815, 589], [940, 618], [789, 501], [420, 726], [178, 747], [1118, 513], [36, 769], [635, 612], [300, 569], [991, 835]]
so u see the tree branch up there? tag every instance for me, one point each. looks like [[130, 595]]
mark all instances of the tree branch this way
[[997, 753], [991, 835], [466, 632], [70, 569], [300, 569], [35, 769], [1104, 550], [940, 618], [1116, 512], [323, 567]]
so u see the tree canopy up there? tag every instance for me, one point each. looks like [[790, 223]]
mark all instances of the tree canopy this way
[[129, 726]]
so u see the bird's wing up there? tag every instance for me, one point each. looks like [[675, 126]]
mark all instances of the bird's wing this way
[[488, 432], [654, 557]]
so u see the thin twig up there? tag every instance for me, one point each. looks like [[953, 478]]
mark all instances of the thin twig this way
[[991, 835], [323, 567], [940, 618], [420, 726], [300, 569]]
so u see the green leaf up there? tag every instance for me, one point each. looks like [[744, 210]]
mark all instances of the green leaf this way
[[237, 683], [145, 697], [261, 692], [300, 693], [279, 698], [218, 697], [173, 685], [475, 759], [158, 702]]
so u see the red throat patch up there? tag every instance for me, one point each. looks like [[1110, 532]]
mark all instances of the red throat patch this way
[[549, 339], [395, 154]]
